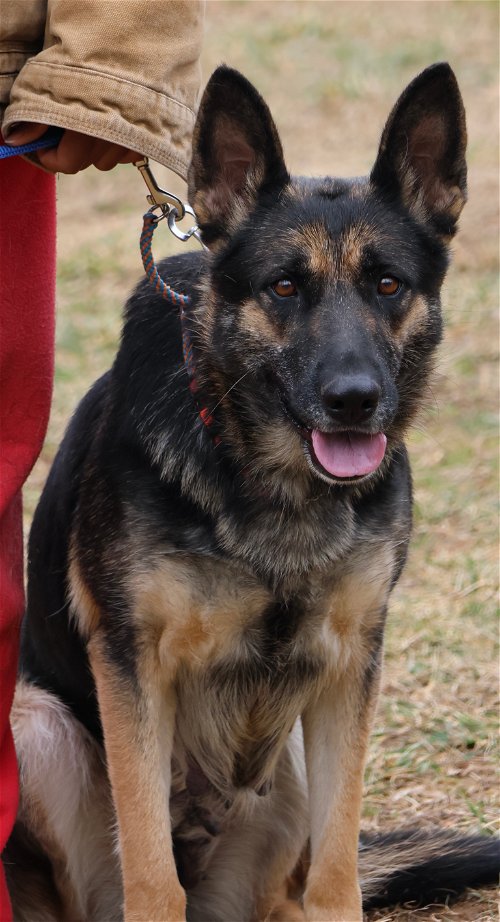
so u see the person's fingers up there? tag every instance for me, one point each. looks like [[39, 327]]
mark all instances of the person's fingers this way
[[25, 132], [74, 152], [108, 155], [131, 156], [77, 151]]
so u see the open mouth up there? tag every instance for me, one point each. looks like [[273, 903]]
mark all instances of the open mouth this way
[[347, 455]]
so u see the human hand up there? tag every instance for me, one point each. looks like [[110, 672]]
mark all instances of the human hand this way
[[74, 152]]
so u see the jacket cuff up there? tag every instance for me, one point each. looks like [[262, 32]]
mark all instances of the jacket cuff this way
[[156, 126]]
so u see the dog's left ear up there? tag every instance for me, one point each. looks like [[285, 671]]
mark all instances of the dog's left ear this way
[[237, 154], [421, 158]]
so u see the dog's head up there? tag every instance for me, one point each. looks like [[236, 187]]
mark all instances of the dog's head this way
[[320, 309]]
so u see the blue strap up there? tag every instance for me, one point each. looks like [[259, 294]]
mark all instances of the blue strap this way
[[50, 139]]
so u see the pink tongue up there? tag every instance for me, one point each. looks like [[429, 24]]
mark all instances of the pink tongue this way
[[348, 454]]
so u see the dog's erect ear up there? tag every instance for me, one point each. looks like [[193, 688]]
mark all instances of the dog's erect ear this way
[[236, 154], [421, 158]]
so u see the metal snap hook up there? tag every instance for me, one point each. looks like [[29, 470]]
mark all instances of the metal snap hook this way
[[170, 206], [158, 196], [173, 218]]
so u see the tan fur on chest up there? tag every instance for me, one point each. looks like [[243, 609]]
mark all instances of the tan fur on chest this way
[[200, 613], [194, 611]]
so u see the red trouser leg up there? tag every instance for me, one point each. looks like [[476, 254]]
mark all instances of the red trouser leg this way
[[27, 293]]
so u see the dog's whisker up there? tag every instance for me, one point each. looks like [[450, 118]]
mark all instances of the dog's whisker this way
[[229, 391]]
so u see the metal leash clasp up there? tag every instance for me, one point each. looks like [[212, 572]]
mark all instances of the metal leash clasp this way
[[171, 207], [157, 196]]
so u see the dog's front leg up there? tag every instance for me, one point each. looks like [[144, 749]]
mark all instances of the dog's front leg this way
[[336, 730], [138, 715]]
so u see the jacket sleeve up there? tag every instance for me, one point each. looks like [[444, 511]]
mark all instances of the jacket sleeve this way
[[123, 71]]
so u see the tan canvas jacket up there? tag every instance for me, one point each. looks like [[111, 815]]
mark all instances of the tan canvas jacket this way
[[123, 70]]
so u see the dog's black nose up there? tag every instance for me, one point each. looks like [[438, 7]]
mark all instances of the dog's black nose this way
[[351, 399]]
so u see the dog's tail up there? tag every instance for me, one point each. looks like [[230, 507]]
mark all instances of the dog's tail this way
[[424, 867]]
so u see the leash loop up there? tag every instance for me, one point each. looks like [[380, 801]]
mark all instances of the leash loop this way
[[150, 223], [164, 203]]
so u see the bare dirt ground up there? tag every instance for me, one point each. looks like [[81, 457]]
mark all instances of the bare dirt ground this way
[[331, 72]]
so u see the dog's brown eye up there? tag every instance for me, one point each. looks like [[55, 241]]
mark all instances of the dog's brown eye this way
[[284, 288], [388, 285]]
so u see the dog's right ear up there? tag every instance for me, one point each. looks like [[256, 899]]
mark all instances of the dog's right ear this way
[[237, 155]]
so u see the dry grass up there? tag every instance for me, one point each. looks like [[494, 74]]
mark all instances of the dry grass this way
[[331, 72]]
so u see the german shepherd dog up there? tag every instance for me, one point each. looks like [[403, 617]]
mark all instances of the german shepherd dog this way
[[212, 556]]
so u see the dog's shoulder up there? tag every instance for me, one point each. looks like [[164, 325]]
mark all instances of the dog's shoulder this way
[[51, 522]]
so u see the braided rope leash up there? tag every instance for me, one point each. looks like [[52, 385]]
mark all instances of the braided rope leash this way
[[150, 223]]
